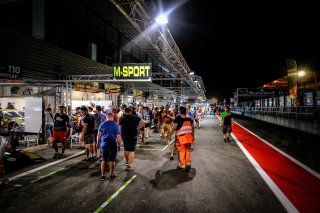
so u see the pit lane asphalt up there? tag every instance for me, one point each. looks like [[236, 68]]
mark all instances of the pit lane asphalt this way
[[221, 180]]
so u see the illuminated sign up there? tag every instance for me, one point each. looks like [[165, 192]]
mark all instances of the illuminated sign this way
[[10, 73], [260, 93], [112, 88], [87, 87], [132, 71]]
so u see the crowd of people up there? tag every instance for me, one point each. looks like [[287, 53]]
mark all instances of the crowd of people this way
[[110, 129], [107, 129]]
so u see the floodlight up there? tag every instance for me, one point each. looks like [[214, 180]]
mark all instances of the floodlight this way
[[301, 73], [162, 19]]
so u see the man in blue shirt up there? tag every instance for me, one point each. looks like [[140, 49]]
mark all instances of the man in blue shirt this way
[[109, 140]]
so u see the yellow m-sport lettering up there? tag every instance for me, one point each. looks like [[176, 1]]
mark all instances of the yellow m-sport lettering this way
[[132, 71]]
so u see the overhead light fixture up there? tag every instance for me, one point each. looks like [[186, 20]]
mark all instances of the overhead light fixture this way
[[191, 73], [301, 73], [162, 19]]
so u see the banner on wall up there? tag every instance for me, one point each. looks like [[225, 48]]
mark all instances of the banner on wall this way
[[87, 87], [112, 89], [10, 73], [137, 93]]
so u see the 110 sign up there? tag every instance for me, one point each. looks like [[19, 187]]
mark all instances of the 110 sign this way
[[14, 69]]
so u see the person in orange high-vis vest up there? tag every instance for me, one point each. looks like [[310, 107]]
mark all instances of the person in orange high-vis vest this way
[[183, 126]]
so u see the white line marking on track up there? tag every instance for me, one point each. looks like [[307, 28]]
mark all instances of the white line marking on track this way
[[285, 154], [45, 166], [47, 175], [274, 188], [115, 194], [168, 145], [150, 149]]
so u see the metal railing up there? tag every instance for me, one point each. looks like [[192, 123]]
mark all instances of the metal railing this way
[[295, 112]]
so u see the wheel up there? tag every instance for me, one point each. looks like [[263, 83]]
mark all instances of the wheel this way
[[4, 181]]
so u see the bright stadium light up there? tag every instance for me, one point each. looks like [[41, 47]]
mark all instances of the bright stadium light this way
[[301, 73], [191, 73], [162, 19]]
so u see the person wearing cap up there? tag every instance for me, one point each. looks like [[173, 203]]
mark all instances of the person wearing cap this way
[[109, 141], [183, 126], [60, 128]]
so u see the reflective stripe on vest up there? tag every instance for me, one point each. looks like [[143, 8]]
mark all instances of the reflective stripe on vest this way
[[184, 134]]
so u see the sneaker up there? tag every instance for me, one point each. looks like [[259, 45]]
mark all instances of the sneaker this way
[[56, 155], [225, 140], [112, 176], [86, 159], [228, 139], [171, 157], [102, 178], [129, 168], [61, 156], [181, 168]]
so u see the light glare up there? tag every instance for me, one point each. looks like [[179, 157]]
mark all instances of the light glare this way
[[301, 73], [162, 19]]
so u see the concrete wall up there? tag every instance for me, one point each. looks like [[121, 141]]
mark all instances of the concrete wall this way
[[308, 126]]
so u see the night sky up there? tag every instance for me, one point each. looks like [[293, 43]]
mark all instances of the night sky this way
[[248, 43]]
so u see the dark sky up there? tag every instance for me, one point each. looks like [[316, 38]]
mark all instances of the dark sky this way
[[247, 43]]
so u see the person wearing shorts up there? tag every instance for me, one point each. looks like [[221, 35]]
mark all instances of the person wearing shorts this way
[[49, 123], [140, 114], [99, 119], [129, 127], [60, 128], [166, 129], [147, 117], [109, 141], [227, 122], [87, 133]]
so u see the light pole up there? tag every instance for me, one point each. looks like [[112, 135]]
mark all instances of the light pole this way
[[300, 74]]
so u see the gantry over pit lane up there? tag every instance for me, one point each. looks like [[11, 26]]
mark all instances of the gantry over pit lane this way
[[132, 20]]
